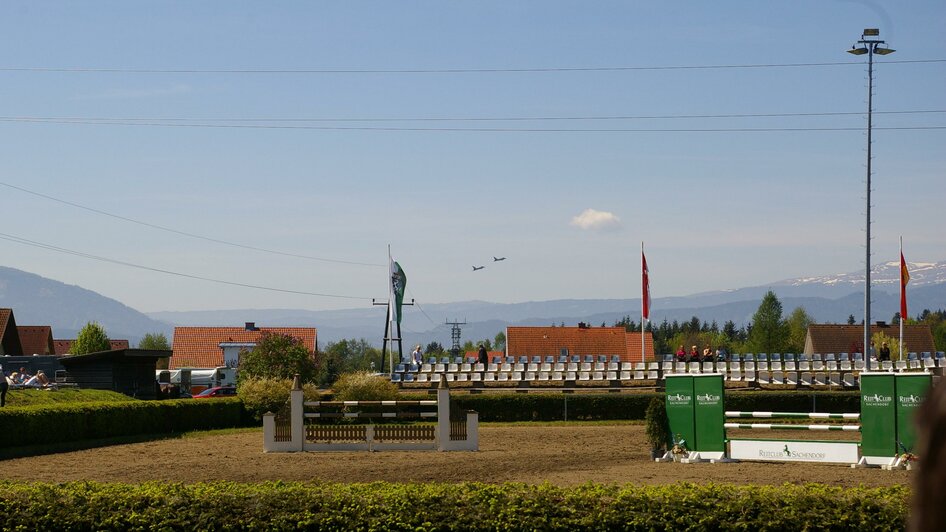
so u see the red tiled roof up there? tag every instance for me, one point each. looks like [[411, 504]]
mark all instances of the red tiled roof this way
[[36, 339], [830, 338], [9, 337], [63, 347], [199, 347], [542, 341]]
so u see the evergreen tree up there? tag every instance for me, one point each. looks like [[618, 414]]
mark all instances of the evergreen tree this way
[[91, 339], [798, 322], [850, 319], [770, 333]]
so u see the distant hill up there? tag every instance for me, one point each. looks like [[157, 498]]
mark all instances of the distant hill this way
[[37, 300], [40, 301]]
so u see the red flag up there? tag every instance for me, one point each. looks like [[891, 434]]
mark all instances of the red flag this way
[[904, 279], [645, 284]]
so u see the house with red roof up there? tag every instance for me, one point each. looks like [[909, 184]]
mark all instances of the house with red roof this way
[[830, 338], [582, 340], [64, 347], [36, 339], [9, 335], [211, 347]]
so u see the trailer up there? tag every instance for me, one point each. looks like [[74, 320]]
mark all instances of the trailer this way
[[196, 380]]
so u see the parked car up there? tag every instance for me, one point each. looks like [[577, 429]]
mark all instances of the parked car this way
[[217, 391]]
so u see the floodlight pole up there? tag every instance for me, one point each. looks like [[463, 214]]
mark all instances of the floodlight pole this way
[[868, 46]]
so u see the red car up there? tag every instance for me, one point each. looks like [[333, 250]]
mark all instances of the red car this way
[[217, 391]]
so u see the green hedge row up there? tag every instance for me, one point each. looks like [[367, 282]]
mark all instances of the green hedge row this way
[[586, 407], [384, 506], [54, 424]]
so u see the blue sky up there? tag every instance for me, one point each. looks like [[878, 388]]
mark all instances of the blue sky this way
[[717, 210]]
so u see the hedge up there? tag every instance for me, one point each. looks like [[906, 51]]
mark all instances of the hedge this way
[[586, 407], [53, 424], [386, 506]]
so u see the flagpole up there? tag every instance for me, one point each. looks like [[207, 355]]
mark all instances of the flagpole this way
[[903, 289], [645, 289], [391, 310]]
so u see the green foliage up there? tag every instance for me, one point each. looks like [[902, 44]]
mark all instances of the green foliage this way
[[35, 397], [91, 339], [878, 339], [466, 506], [50, 424], [269, 395], [798, 322], [500, 341], [657, 425], [155, 341], [770, 333], [346, 356], [363, 386], [278, 356], [433, 348]]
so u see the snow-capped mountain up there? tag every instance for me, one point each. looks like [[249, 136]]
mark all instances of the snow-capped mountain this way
[[882, 276]]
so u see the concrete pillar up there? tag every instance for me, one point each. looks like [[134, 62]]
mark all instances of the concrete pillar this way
[[297, 411], [443, 416], [269, 432]]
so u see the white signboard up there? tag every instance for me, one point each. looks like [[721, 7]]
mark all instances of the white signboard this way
[[794, 451]]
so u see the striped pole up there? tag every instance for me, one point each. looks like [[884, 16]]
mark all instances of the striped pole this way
[[399, 415], [772, 426], [796, 415], [371, 403]]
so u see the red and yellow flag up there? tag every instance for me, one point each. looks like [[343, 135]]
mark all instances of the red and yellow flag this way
[[904, 279]]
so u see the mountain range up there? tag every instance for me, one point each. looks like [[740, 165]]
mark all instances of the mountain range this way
[[830, 298]]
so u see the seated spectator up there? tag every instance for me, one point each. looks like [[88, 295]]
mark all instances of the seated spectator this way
[[681, 354], [37, 381], [694, 355], [707, 354], [720, 354], [23, 376]]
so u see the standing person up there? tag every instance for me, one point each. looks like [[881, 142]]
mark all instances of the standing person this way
[[482, 356], [4, 386], [884, 352]]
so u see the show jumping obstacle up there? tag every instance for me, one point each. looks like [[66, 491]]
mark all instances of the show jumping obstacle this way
[[888, 401], [292, 433]]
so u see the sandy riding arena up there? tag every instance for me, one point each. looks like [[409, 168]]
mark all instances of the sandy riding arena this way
[[563, 455]]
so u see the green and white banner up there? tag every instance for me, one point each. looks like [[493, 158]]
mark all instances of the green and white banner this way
[[398, 285], [794, 451]]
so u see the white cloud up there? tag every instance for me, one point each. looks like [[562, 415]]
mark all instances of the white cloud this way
[[592, 220]]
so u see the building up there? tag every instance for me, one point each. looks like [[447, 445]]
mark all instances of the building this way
[[831, 338], [581, 340], [64, 347], [9, 335], [127, 371], [36, 339], [211, 347]]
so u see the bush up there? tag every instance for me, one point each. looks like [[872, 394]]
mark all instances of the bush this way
[[387, 506], [364, 386], [657, 425], [53, 424], [270, 395]]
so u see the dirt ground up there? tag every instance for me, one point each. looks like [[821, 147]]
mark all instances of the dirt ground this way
[[563, 455]]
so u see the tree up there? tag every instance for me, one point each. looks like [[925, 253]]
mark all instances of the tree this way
[[278, 356], [433, 348], [154, 341], [798, 322], [770, 333], [91, 339], [500, 341], [851, 320]]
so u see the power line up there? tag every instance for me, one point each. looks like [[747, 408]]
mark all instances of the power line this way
[[474, 129], [461, 119], [50, 247], [92, 70], [184, 233]]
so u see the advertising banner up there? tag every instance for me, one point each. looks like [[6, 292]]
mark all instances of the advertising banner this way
[[911, 391], [710, 413], [680, 408], [794, 451], [878, 414]]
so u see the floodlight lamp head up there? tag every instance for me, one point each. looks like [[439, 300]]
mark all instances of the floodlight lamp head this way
[[871, 32], [884, 51], [857, 51]]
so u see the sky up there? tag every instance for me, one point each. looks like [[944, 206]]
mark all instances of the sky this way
[[188, 137]]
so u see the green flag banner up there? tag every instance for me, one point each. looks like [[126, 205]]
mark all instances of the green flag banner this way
[[398, 284]]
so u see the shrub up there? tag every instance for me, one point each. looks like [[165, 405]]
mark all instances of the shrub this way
[[364, 386], [270, 395], [278, 356], [657, 425], [435, 506]]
